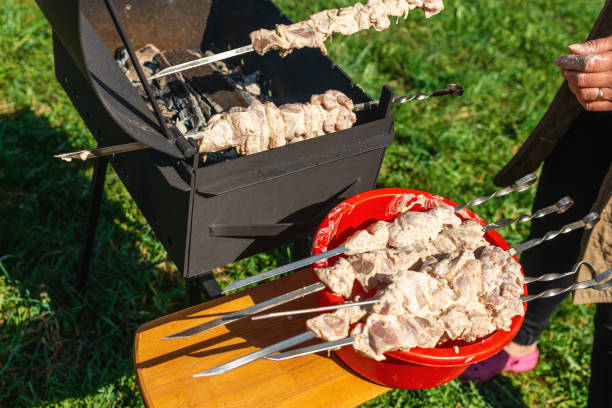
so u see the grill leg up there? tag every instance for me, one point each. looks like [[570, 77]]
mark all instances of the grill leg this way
[[202, 284], [97, 188]]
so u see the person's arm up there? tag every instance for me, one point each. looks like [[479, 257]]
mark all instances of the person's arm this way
[[588, 71]]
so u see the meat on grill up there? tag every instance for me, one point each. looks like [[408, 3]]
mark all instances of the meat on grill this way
[[453, 285], [265, 126], [347, 21]]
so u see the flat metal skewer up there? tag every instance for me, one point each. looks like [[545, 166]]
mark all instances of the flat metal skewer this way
[[285, 268], [203, 61], [520, 185], [596, 283], [239, 362], [316, 309], [451, 89], [260, 307], [316, 348]]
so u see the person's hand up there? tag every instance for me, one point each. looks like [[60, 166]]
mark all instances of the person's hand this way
[[588, 71]]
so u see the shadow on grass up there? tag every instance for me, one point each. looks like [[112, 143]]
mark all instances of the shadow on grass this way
[[500, 392], [58, 344], [64, 345]]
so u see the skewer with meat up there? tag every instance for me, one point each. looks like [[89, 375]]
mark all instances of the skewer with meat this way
[[265, 126], [347, 21]]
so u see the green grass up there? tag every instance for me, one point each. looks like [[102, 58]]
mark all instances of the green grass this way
[[59, 348]]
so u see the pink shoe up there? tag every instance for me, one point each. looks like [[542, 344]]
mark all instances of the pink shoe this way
[[502, 361]]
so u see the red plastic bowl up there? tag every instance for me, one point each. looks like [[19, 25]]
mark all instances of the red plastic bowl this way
[[418, 368]]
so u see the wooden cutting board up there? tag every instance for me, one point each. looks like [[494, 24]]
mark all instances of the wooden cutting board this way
[[164, 368]]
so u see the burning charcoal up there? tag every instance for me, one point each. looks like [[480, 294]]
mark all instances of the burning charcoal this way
[[188, 100], [218, 157], [210, 84], [145, 57], [123, 58], [184, 100]]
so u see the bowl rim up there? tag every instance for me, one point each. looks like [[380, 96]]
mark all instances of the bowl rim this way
[[438, 356]]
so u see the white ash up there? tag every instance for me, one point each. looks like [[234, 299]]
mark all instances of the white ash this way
[[181, 105]]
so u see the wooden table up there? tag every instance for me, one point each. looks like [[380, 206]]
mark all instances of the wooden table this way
[[164, 368]]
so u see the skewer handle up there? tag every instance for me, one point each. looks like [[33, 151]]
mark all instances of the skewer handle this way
[[560, 207], [587, 223], [597, 283], [521, 184], [451, 89]]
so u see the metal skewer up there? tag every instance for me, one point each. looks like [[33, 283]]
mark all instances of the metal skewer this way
[[315, 309], [451, 89], [239, 362], [316, 348], [232, 317], [240, 314], [520, 185], [596, 283], [203, 61]]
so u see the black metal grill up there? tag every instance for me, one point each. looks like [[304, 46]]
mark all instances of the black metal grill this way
[[210, 216]]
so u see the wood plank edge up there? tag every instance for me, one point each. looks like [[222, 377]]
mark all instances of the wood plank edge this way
[[144, 394]]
